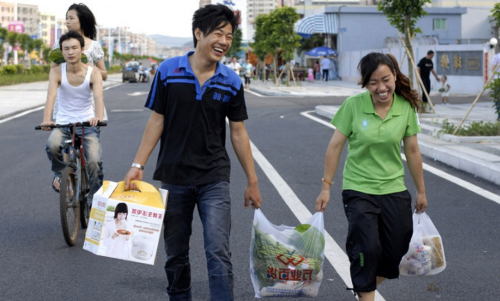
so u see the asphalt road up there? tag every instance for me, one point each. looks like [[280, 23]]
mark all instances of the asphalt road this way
[[36, 263]]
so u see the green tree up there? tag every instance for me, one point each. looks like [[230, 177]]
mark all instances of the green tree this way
[[236, 44], [23, 40], [283, 33], [259, 44], [313, 42], [3, 37], [495, 14], [403, 15], [12, 40]]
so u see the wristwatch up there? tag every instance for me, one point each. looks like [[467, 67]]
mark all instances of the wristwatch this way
[[137, 165]]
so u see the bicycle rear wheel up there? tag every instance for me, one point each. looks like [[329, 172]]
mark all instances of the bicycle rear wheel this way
[[69, 207]]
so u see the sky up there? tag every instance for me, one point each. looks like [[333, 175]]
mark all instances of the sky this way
[[166, 17]]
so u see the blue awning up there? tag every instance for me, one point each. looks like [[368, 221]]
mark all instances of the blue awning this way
[[320, 23]]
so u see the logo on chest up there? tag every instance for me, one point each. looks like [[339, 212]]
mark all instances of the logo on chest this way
[[364, 124], [221, 97]]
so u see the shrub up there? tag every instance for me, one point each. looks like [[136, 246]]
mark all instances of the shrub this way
[[46, 68], [35, 69], [10, 69], [1, 71], [20, 68], [476, 128]]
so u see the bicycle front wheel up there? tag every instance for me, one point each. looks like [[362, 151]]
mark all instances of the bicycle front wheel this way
[[82, 195], [69, 207]]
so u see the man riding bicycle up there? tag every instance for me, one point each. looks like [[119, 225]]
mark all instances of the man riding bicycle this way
[[76, 84]]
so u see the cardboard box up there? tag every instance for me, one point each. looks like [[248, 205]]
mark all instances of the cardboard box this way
[[126, 224]]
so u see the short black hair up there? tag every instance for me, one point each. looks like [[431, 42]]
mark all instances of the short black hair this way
[[71, 35], [121, 208], [213, 16], [86, 18], [430, 52]]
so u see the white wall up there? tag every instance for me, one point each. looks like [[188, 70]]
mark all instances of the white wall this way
[[348, 63]]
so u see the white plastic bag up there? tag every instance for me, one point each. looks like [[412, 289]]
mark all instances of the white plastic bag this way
[[287, 261], [426, 253]]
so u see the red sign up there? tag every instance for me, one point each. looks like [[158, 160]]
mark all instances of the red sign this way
[[17, 26]]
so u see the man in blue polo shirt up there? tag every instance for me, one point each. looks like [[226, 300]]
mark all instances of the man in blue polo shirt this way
[[190, 98]]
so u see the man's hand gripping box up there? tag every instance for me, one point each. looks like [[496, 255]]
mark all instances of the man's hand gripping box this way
[[126, 224]]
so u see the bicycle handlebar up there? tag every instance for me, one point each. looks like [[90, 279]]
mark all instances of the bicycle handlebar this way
[[83, 124]]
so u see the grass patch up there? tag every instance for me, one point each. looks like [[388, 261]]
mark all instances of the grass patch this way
[[476, 128], [13, 79]]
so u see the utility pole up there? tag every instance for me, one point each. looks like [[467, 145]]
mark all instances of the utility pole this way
[[14, 46]]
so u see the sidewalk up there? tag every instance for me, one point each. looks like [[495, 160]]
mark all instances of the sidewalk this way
[[18, 98], [479, 156]]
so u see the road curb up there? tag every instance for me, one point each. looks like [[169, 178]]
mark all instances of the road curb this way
[[470, 164]]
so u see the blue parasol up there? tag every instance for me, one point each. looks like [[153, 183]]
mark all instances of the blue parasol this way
[[321, 51]]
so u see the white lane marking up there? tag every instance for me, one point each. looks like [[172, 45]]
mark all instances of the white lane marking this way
[[469, 186], [255, 93], [124, 110], [333, 252], [22, 114], [306, 114], [138, 93], [107, 88]]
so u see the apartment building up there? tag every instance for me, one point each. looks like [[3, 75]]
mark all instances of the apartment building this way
[[205, 2], [7, 13], [48, 21], [256, 8], [30, 16]]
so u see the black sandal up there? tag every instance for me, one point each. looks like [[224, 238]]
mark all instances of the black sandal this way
[[58, 181]]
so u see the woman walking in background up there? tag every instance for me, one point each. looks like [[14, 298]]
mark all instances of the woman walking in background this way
[[376, 201]]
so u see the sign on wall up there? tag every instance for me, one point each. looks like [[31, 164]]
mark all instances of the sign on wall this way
[[459, 63]]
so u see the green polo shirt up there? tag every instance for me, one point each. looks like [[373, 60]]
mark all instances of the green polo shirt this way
[[374, 164]]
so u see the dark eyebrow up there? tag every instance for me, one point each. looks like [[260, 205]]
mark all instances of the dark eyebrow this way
[[371, 80]]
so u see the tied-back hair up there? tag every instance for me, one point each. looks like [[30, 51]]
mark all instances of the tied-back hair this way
[[86, 18], [370, 62], [212, 17]]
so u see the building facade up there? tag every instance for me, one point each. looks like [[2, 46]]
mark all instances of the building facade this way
[[7, 13], [48, 21], [30, 16], [205, 2], [256, 8]]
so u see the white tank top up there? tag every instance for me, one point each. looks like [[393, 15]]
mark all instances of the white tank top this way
[[75, 103]]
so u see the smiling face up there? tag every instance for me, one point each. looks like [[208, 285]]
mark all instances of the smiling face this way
[[214, 46], [121, 216], [72, 21], [71, 51], [381, 85]]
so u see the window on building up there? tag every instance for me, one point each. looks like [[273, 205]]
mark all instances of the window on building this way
[[440, 24], [52, 18]]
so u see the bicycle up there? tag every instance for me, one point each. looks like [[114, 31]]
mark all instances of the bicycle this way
[[74, 185]]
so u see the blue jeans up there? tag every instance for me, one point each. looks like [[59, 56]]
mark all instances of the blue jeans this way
[[325, 74], [93, 152], [214, 208]]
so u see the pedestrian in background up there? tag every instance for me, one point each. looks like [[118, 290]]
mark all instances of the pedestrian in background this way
[[445, 90], [235, 66], [325, 67], [190, 99], [316, 70], [248, 74], [376, 201], [424, 68]]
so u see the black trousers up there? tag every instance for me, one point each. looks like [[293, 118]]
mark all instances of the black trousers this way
[[427, 85], [379, 234]]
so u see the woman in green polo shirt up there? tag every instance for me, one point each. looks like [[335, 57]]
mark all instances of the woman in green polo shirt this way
[[376, 201]]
